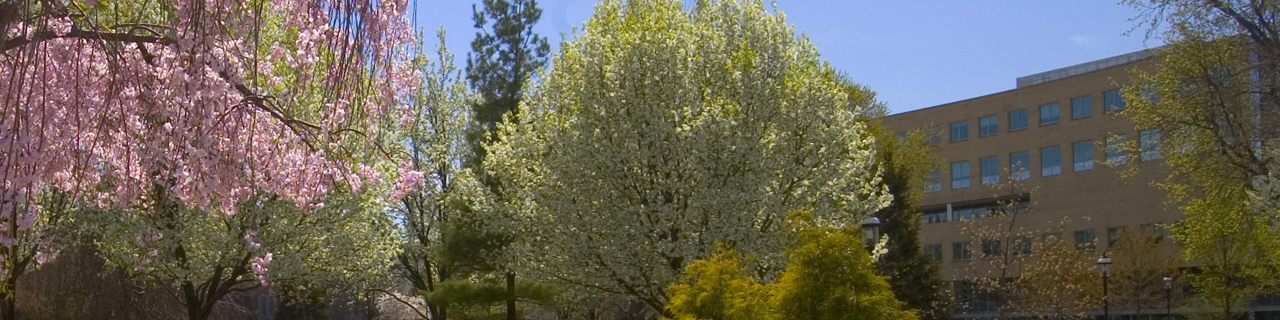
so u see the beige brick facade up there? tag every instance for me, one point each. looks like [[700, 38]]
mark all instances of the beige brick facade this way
[[1101, 193]]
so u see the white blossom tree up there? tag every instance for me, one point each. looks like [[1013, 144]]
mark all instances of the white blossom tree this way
[[660, 132]]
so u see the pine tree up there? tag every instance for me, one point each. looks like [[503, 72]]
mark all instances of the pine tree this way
[[497, 68]]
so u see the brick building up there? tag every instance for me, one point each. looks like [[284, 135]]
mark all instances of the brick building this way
[[1056, 135]]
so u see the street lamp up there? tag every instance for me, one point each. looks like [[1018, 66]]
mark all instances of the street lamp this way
[[1104, 267], [1168, 307], [870, 232]]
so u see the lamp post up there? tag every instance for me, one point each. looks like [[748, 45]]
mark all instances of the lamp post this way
[[1168, 306], [870, 232], [1104, 267]]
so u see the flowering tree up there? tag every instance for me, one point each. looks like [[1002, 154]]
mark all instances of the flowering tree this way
[[660, 132], [448, 232], [208, 104]]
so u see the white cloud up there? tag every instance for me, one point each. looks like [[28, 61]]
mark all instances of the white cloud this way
[[1087, 42]]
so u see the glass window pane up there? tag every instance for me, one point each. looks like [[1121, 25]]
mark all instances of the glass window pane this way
[[1082, 155], [1049, 113], [960, 251], [1085, 239], [1113, 234], [960, 175], [991, 248], [935, 216], [1050, 161], [1019, 165], [932, 136], [933, 181], [1116, 153], [1081, 107], [959, 130], [1149, 144], [990, 168], [988, 126], [1112, 101], [1017, 119], [934, 250]]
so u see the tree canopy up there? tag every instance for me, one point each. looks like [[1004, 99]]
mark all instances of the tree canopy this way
[[660, 132], [1213, 97]]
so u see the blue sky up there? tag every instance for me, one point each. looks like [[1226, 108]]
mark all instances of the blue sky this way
[[913, 53]]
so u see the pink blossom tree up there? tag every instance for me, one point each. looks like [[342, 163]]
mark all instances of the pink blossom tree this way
[[204, 104]]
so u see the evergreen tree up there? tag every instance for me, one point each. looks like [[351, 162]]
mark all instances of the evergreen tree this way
[[904, 161], [497, 68], [500, 61], [912, 274]]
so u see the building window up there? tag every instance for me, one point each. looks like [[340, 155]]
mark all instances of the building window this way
[[1149, 144], [1022, 245], [1081, 107], [1085, 239], [1156, 231], [1112, 101], [934, 250], [1050, 161], [932, 136], [988, 126], [1082, 155], [933, 181], [973, 211], [1051, 239], [960, 175], [1116, 153], [960, 251], [1022, 206], [1049, 113], [1149, 91], [991, 248], [1017, 120], [934, 216], [1113, 235], [1019, 165], [959, 131], [990, 170]]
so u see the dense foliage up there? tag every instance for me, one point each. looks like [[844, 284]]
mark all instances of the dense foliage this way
[[829, 276], [186, 109], [660, 132], [1215, 97]]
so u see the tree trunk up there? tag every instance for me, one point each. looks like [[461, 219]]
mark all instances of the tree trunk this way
[[511, 296], [8, 305]]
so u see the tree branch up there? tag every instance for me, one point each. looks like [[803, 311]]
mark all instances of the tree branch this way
[[44, 35]]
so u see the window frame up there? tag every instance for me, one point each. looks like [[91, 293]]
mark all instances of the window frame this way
[[1116, 151], [1056, 114], [1112, 101], [932, 135], [1149, 150], [994, 175], [938, 216], [961, 251], [1113, 235], [1076, 164], [1084, 103], [1025, 120], [1091, 245], [951, 135], [994, 126], [968, 177], [936, 255], [1023, 173], [1045, 169], [933, 180]]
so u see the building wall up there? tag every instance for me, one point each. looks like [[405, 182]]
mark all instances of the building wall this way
[[1096, 199]]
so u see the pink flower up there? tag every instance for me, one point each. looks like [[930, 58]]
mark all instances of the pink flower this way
[[410, 181]]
